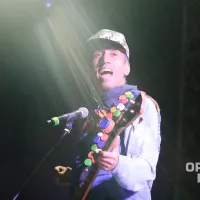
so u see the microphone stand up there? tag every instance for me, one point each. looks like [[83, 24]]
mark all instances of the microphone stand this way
[[67, 130]]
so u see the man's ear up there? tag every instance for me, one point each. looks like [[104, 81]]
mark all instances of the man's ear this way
[[127, 69]]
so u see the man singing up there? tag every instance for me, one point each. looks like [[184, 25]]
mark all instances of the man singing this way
[[128, 168]]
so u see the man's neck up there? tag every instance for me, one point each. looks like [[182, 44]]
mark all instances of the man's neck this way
[[106, 90]]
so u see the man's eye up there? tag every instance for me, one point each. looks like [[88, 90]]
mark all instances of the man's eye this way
[[114, 54], [97, 55]]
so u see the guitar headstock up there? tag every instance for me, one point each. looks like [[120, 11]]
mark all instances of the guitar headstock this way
[[134, 108]]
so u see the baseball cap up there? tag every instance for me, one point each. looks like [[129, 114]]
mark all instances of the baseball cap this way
[[106, 38]]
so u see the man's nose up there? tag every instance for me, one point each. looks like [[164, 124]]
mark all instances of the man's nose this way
[[105, 58]]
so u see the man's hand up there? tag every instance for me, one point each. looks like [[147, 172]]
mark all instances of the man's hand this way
[[108, 160], [62, 175], [61, 170]]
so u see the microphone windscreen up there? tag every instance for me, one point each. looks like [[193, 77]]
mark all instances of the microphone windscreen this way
[[84, 112]]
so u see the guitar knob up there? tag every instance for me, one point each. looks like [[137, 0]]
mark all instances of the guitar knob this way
[[132, 111], [132, 101]]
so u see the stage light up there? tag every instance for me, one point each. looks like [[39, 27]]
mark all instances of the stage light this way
[[48, 3]]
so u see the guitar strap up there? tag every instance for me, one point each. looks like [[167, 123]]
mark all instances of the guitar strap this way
[[123, 148]]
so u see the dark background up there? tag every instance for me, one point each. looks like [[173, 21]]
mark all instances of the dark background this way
[[40, 80]]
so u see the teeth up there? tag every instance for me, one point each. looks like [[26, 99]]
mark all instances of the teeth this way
[[105, 71]]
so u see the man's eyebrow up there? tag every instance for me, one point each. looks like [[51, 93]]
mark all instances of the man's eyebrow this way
[[97, 51]]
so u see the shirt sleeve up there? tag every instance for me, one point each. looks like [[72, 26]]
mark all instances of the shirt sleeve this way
[[133, 172]]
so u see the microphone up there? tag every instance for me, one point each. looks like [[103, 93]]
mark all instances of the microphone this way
[[80, 113]]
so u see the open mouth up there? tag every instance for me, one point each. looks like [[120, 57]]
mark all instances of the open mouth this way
[[105, 72]]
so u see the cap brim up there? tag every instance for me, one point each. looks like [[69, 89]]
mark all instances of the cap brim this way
[[100, 43]]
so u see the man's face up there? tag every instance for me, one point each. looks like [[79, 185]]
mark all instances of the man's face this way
[[110, 68]]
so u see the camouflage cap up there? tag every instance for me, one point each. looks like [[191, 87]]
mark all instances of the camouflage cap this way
[[109, 37]]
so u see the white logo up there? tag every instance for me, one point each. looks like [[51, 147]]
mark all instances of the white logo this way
[[194, 167]]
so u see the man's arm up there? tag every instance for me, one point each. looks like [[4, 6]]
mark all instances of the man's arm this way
[[131, 172]]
